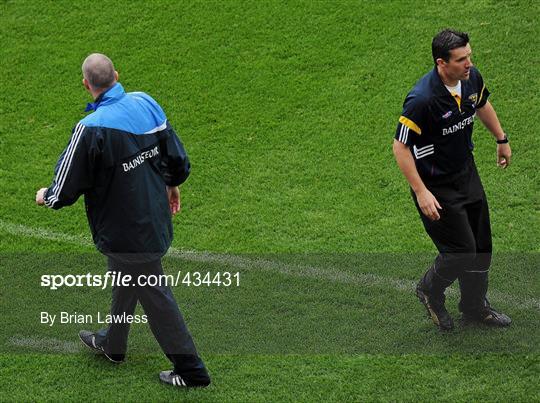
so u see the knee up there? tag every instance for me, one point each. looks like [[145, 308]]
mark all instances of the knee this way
[[465, 255]]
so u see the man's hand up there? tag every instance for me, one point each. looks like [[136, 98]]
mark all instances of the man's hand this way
[[504, 153], [428, 204], [174, 199], [426, 201], [40, 194]]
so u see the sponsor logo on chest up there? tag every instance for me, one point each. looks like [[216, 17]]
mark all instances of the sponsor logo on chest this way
[[458, 126], [447, 115]]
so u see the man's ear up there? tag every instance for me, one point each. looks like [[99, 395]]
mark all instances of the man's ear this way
[[440, 62], [86, 84], [116, 75]]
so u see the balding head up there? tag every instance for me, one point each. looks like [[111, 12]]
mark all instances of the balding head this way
[[98, 70]]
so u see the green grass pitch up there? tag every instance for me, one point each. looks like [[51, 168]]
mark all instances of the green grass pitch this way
[[287, 110]]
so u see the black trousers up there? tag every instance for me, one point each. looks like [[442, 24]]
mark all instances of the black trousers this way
[[462, 236], [164, 318]]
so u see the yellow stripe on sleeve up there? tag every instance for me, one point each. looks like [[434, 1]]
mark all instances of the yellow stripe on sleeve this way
[[481, 93], [410, 124]]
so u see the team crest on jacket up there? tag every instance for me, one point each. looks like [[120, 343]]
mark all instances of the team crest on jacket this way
[[447, 115], [474, 97]]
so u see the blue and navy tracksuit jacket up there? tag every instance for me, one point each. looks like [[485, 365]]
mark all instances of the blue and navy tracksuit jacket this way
[[121, 157]]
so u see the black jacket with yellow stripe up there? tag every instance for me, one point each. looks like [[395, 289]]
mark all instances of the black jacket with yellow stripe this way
[[437, 126]]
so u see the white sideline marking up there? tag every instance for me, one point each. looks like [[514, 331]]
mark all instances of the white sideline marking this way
[[303, 271], [363, 279], [45, 344], [318, 273], [41, 233]]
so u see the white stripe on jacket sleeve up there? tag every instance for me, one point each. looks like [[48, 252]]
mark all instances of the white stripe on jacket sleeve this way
[[65, 165]]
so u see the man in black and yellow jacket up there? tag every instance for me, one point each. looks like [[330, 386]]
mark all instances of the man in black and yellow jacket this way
[[433, 148]]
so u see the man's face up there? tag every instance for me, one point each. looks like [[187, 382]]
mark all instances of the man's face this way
[[459, 65]]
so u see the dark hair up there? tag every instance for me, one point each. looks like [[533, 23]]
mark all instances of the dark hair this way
[[445, 41]]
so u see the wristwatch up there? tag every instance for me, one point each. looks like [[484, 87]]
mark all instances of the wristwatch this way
[[503, 141]]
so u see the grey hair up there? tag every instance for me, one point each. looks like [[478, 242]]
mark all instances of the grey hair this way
[[98, 69]]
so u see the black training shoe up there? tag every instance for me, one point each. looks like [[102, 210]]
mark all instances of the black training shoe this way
[[487, 316], [171, 378], [435, 308], [89, 340]]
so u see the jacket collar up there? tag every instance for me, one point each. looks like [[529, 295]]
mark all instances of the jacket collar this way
[[110, 96], [439, 89], [437, 83]]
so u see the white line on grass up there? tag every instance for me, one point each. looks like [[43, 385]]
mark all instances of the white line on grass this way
[[45, 344], [41, 233], [303, 271], [362, 279]]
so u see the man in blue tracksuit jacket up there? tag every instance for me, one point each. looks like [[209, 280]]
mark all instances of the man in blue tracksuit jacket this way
[[128, 162]]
